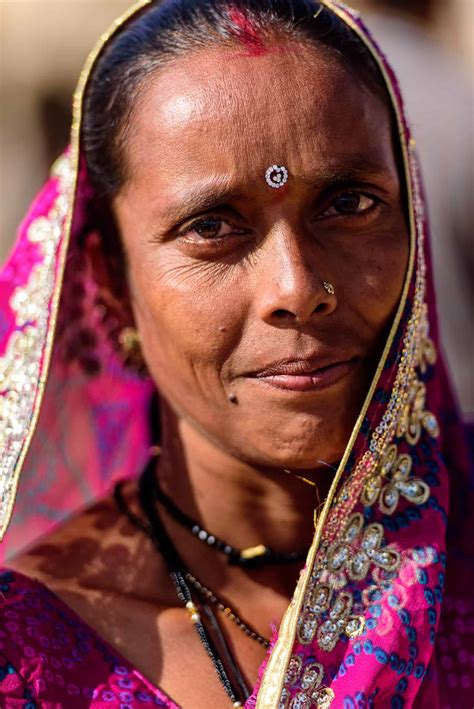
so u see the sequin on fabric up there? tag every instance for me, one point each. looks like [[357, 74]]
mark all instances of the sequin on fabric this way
[[310, 692]]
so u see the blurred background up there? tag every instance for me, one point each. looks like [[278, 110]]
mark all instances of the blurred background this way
[[43, 44]]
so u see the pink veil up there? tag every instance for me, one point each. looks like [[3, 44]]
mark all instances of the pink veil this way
[[362, 624]]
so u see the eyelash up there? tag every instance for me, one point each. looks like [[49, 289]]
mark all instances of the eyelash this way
[[361, 195], [183, 234], [217, 218]]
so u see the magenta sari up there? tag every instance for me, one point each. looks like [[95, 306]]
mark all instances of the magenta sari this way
[[50, 658], [382, 615]]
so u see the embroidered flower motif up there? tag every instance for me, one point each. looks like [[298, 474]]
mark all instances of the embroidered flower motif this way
[[329, 615], [375, 591], [359, 549], [414, 417], [390, 480], [319, 602], [340, 622], [308, 681]]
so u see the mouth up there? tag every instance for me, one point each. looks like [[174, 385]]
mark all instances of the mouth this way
[[306, 375]]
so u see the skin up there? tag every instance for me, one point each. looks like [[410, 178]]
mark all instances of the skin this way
[[209, 311]]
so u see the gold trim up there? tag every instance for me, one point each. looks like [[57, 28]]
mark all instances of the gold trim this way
[[63, 249], [43, 230], [275, 671]]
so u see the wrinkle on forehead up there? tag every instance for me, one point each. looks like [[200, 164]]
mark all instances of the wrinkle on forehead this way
[[214, 84], [214, 112]]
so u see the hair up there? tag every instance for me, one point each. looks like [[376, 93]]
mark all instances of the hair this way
[[164, 31]]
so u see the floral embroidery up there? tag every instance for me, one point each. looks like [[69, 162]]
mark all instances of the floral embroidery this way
[[329, 614], [358, 549], [414, 417], [390, 480], [308, 682], [340, 622]]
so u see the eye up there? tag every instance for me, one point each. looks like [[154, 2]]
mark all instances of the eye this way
[[210, 228], [349, 204]]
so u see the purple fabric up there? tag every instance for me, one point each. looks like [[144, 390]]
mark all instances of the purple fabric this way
[[50, 658]]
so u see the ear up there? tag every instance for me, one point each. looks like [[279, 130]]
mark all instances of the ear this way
[[110, 277]]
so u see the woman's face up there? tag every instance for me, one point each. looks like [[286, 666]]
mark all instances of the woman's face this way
[[226, 273]]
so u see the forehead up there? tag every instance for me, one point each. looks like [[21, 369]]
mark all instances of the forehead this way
[[223, 111]]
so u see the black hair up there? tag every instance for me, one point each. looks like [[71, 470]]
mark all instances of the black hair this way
[[166, 30]]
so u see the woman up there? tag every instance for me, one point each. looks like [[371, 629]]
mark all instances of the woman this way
[[238, 227]]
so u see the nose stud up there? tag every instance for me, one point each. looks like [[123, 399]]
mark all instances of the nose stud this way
[[276, 176], [328, 287]]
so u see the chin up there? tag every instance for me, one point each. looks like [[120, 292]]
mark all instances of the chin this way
[[301, 441], [300, 452]]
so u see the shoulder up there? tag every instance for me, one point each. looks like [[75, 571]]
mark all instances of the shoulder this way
[[62, 560], [97, 552]]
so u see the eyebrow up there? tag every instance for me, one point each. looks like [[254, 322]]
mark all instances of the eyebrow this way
[[356, 167], [201, 199], [215, 193]]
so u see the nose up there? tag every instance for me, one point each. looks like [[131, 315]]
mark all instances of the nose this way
[[291, 286]]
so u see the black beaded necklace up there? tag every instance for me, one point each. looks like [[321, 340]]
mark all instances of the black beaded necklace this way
[[209, 631], [252, 557]]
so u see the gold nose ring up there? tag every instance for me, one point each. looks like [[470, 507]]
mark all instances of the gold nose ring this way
[[328, 287]]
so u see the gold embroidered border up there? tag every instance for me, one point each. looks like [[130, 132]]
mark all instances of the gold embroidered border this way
[[20, 366]]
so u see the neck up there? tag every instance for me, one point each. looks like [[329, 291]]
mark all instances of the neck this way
[[243, 504]]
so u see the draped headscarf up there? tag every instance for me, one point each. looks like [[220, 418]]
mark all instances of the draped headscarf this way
[[363, 626]]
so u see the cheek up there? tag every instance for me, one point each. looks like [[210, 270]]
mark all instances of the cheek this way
[[189, 317], [374, 276]]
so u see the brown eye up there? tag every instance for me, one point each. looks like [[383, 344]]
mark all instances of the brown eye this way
[[350, 203], [208, 228]]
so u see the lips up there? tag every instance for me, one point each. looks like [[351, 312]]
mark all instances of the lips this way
[[308, 374]]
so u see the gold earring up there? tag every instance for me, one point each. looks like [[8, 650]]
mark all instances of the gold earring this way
[[129, 340], [329, 287]]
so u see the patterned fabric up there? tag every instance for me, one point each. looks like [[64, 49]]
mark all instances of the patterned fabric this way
[[382, 615], [107, 409], [50, 659]]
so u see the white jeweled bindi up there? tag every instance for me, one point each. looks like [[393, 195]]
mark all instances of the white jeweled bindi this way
[[276, 176]]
